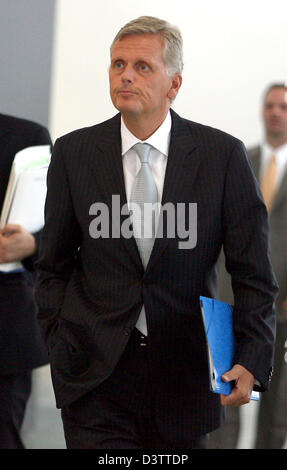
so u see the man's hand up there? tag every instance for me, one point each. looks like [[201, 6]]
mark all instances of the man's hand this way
[[242, 390], [16, 243]]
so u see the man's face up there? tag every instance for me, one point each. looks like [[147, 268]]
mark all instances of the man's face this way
[[275, 113], [139, 83]]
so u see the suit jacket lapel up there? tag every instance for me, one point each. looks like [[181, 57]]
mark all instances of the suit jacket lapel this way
[[182, 166], [110, 165], [255, 158], [181, 145], [111, 160]]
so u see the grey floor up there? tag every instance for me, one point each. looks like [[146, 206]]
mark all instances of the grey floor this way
[[43, 429]]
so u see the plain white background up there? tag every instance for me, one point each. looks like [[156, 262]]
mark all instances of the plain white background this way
[[232, 50]]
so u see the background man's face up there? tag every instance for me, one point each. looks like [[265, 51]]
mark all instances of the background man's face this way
[[139, 83], [275, 113]]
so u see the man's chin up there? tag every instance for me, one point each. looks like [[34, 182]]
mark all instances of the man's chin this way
[[275, 133], [127, 108]]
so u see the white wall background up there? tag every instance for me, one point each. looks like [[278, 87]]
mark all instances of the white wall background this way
[[232, 50], [26, 33]]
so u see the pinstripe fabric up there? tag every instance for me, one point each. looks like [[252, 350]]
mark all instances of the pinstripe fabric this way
[[90, 291], [119, 414]]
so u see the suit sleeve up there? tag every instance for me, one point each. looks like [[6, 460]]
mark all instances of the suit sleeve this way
[[58, 248], [247, 251]]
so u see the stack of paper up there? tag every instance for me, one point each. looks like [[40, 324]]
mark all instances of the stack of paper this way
[[26, 192]]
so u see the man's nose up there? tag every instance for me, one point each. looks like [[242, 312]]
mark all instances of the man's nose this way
[[128, 74], [276, 111]]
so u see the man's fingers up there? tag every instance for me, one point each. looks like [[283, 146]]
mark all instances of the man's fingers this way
[[242, 390], [236, 398], [16, 243], [229, 376], [11, 228], [232, 374]]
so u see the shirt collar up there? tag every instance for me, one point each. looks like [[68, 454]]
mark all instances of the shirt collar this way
[[159, 139], [280, 152]]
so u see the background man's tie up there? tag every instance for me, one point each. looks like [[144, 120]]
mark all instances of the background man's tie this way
[[144, 191], [268, 183]]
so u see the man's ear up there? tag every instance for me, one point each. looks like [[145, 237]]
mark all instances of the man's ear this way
[[175, 86]]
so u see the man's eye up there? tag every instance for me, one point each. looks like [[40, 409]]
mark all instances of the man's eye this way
[[144, 67], [119, 65]]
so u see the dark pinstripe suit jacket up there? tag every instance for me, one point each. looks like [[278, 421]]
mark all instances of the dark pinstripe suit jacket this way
[[90, 291]]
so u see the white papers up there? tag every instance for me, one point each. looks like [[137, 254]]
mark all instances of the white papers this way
[[26, 192]]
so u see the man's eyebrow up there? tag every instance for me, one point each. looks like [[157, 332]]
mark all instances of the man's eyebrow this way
[[114, 59]]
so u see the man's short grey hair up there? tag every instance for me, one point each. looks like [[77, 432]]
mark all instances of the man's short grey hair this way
[[172, 52]]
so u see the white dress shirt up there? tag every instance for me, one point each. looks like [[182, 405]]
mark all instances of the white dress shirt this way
[[158, 156], [281, 159], [131, 165]]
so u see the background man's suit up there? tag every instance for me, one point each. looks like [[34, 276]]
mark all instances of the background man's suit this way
[[21, 345], [89, 299], [272, 425]]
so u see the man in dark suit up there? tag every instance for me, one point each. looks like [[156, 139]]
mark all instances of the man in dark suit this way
[[21, 345], [271, 429], [123, 328]]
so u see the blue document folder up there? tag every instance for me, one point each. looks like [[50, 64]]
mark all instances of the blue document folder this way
[[218, 322]]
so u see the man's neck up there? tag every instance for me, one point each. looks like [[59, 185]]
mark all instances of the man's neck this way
[[276, 142], [143, 127]]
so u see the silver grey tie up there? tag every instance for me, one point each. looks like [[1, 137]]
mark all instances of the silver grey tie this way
[[144, 196]]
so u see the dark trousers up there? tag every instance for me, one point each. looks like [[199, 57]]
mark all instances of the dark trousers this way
[[14, 394], [119, 413]]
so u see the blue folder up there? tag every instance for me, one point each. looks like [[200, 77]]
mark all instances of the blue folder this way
[[218, 322]]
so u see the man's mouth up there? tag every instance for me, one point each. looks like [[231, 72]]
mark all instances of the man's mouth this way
[[275, 122], [126, 92]]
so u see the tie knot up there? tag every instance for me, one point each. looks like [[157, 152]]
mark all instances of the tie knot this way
[[143, 151]]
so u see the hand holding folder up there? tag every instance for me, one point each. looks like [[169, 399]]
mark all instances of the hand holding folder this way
[[218, 322]]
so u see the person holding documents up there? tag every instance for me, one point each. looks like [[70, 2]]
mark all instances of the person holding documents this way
[[119, 287], [21, 346]]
